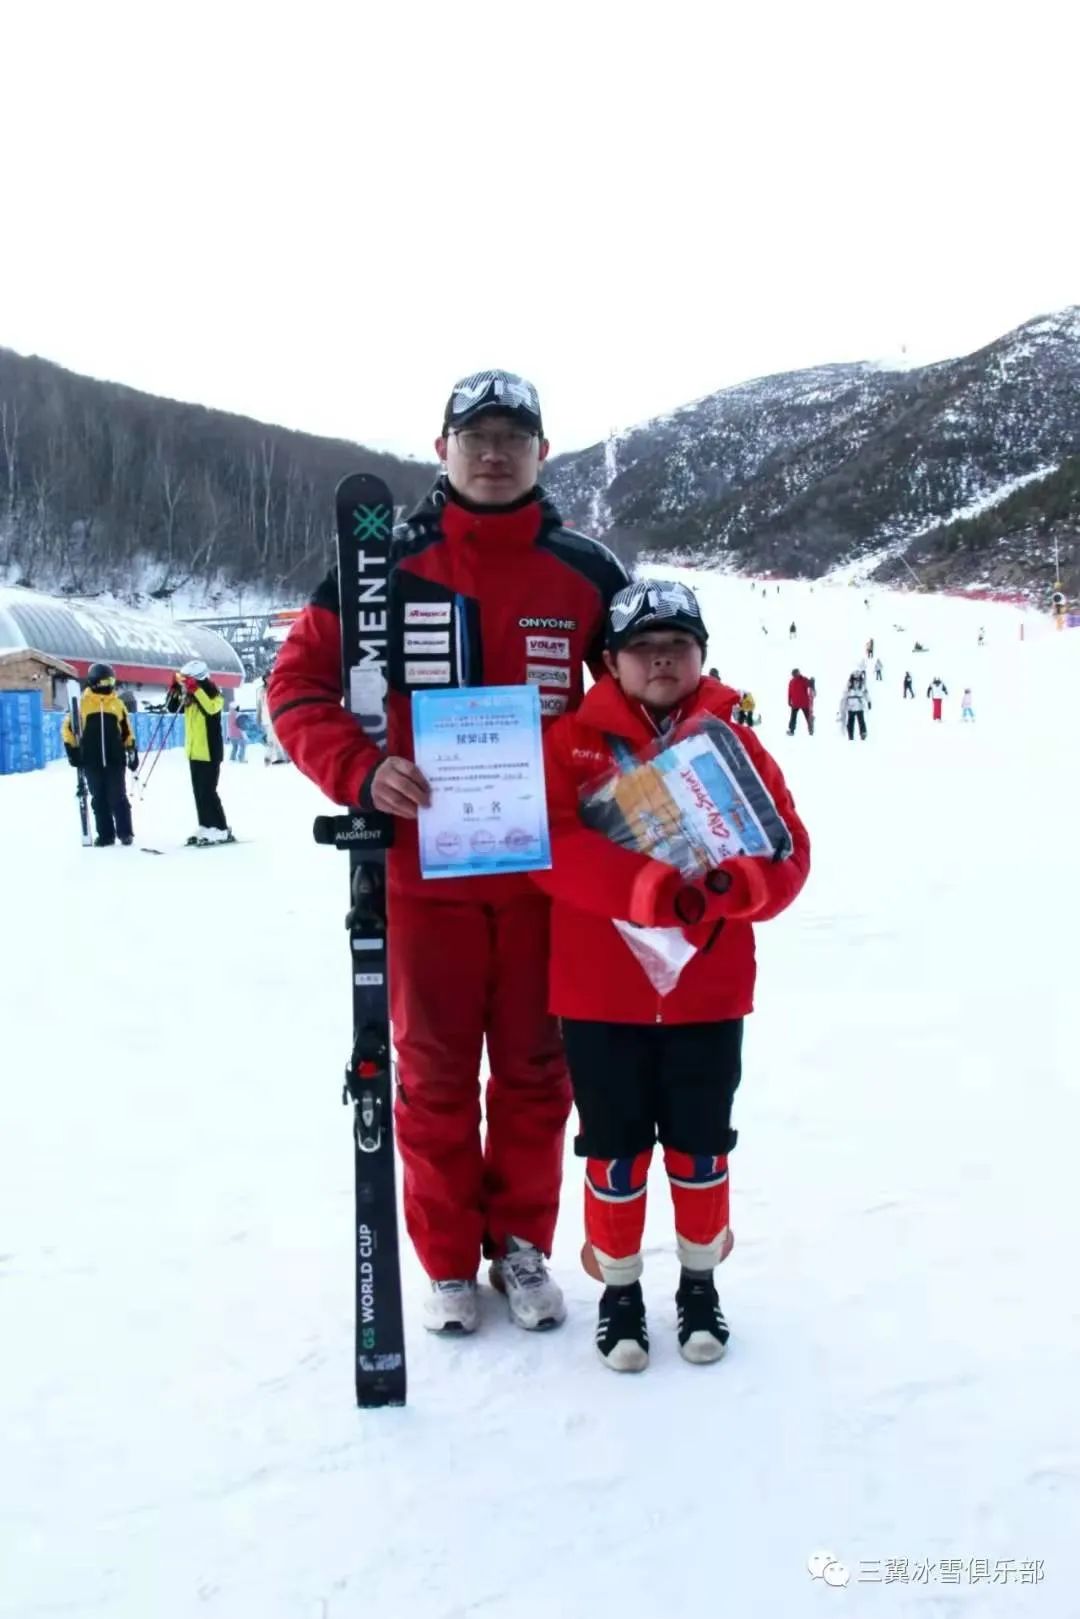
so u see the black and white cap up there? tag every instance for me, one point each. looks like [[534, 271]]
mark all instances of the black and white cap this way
[[654, 604], [492, 390]]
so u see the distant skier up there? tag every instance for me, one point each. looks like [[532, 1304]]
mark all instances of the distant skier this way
[[982, 637], [909, 685], [967, 705], [195, 695], [870, 647], [918, 647], [237, 737], [744, 713], [714, 674], [107, 745], [852, 708], [800, 701], [274, 753], [879, 670], [792, 631], [937, 691]]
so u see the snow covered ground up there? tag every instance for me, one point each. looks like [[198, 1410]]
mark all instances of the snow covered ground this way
[[178, 1434]]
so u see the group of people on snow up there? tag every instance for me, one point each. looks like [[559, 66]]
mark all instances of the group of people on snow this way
[[105, 747], [534, 965]]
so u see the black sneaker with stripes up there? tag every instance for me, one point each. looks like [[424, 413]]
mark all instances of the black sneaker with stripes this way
[[703, 1332], [622, 1338]]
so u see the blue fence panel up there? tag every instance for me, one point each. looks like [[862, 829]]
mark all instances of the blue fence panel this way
[[158, 729], [22, 741], [30, 735], [52, 720]]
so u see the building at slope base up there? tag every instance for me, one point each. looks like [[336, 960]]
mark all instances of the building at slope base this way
[[144, 648]]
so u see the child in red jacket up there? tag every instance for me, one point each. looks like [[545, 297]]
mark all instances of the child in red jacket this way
[[645, 1066]]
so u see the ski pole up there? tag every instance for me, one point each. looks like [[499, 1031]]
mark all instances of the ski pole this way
[[155, 733], [138, 778], [159, 721], [145, 782], [163, 742]]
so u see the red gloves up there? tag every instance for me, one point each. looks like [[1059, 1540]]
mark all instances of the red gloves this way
[[190, 686]]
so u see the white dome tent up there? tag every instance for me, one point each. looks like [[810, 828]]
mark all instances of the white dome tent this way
[[143, 647]]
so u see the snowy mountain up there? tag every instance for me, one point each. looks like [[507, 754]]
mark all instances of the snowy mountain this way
[[107, 489], [810, 469], [103, 488]]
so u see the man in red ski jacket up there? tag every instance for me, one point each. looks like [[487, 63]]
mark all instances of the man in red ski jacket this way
[[650, 1061], [487, 588], [801, 701]]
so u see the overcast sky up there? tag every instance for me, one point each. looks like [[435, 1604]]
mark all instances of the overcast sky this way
[[321, 216]]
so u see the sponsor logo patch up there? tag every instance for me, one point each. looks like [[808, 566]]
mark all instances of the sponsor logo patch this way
[[547, 674], [547, 646], [368, 980], [427, 640], [547, 623], [427, 674], [427, 612], [554, 703]]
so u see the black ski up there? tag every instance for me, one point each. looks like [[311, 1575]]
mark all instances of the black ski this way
[[82, 791], [365, 517]]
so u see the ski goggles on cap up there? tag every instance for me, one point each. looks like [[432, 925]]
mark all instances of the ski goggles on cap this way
[[654, 604], [492, 390]]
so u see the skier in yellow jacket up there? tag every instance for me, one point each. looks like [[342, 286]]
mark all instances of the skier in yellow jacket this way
[[744, 712], [195, 695], [105, 744]]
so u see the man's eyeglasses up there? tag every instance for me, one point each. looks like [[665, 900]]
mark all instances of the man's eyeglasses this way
[[475, 443]]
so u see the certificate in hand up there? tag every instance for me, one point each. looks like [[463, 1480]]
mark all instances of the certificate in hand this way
[[481, 750]]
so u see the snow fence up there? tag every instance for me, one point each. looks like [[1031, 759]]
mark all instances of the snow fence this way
[[30, 733]]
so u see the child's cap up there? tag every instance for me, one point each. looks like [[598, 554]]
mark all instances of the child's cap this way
[[654, 604]]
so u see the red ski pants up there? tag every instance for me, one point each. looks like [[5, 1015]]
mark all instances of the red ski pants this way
[[937, 707], [461, 974]]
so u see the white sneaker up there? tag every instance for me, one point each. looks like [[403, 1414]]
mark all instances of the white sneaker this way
[[452, 1307], [535, 1299]]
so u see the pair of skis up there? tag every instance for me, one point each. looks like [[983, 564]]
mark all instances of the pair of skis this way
[[365, 520], [82, 791]]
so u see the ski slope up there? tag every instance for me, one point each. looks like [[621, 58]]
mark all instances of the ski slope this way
[[177, 1434]]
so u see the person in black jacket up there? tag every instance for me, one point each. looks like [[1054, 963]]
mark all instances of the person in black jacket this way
[[105, 745]]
